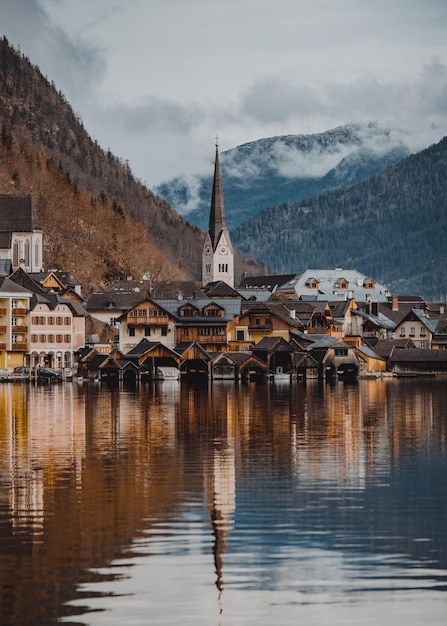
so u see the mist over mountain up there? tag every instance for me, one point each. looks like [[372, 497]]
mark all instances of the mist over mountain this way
[[391, 226], [291, 168]]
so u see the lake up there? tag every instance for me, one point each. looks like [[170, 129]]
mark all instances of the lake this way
[[224, 504]]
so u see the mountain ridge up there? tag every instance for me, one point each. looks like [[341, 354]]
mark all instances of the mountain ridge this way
[[290, 168], [390, 226]]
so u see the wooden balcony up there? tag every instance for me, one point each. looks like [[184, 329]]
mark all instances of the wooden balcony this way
[[19, 347], [2, 311], [2, 329], [19, 311], [20, 329], [148, 321], [2, 346]]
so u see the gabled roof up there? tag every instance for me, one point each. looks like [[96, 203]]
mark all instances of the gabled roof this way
[[370, 353], [329, 286], [65, 279], [384, 347], [419, 355], [122, 296], [231, 307], [265, 282], [16, 214], [220, 289], [429, 323], [27, 281], [9, 287], [176, 288], [145, 347], [272, 344], [192, 349]]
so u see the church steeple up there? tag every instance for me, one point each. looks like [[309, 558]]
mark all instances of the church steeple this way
[[217, 221], [217, 258]]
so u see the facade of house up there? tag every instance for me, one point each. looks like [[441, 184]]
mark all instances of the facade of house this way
[[146, 320], [203, 320], [417, 326], [14, 323], [21, 239]]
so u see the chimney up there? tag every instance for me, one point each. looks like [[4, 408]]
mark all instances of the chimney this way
[[293, 314], [395, 303]]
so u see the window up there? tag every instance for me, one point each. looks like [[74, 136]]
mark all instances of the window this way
[[34, 338], [147, 331], [58, 338], [212, 312], [35, 320], [412, 331], [185, 332], [240, 335], [36, 254], [67, 321], [131, 331], [164, 331], [26, 253], [341, 352], [15, 253], [59, 321], [67, 338], [50, 338], [15, 339], [42, 339], [423, 331], [423, 344], [402, 331], [51, 320]]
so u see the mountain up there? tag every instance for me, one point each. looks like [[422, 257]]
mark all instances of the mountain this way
[[289, 169], [99, 222], [391, 226]]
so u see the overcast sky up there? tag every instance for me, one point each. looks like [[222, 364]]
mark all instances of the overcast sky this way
[[155, 80]]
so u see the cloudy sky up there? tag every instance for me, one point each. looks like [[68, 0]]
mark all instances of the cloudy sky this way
[[155, 80]]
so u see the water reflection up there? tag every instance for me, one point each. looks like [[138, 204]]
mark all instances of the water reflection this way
[[226, 504]]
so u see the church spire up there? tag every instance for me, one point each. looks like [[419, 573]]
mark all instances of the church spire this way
[[217, 257], [217, 221]]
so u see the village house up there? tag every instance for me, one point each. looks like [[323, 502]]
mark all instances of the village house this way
[[21, 239], [56, 325], [14, 323], [146, 320]]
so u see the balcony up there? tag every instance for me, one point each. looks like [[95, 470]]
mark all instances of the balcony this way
[[20, 329], [148, 321], [2, 346], [19, 347], [2, 329], [2, 311], [19, 311]]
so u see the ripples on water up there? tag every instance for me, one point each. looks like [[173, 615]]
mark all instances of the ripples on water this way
[[270, 504]]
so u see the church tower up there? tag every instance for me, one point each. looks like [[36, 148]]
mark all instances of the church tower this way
[[218, 257]]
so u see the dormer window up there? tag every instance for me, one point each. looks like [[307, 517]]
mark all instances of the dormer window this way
[[212, 310], [313, 283], [342, 283], [369, 283], [188, 311]]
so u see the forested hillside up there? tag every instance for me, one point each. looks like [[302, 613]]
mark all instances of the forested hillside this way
[[98, 220], [289, 168], [392, 227]]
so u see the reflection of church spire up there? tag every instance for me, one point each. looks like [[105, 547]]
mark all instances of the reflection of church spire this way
[[220, 491]]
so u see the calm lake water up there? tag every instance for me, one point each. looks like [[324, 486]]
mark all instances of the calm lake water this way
[[233, 504]]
